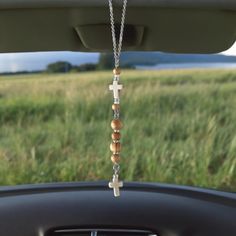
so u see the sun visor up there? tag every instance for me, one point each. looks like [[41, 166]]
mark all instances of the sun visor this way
[[87, 29]]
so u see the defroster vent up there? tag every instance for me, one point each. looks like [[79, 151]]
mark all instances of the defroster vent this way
[[100, 232]]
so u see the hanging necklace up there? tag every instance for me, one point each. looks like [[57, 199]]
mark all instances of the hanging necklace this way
[[115, 87]]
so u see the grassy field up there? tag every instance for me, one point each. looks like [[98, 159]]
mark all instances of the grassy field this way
[[179, 127]]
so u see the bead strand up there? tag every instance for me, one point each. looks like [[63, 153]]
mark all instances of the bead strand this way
[[115, 146], [116, 125], [115, 87]]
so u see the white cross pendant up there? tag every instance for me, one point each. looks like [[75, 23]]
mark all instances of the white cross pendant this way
[[116, 185], [115, 87]]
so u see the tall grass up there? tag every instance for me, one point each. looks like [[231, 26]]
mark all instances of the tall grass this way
[[179, 127]]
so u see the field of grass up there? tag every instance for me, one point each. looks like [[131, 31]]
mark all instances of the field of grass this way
[[179, 127]]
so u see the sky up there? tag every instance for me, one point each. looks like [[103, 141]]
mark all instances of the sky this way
[[12, 62]]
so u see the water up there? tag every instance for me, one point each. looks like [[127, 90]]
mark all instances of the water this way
[[189, 66]]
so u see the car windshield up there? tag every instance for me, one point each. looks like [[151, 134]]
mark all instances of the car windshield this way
[[178, 111]]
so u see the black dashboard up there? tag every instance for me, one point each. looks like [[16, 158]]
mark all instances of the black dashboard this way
[[82, 209]]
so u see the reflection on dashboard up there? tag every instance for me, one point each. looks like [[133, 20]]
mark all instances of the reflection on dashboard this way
[[100, 232]]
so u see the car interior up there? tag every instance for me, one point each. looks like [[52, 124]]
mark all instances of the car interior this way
[[88, 208]]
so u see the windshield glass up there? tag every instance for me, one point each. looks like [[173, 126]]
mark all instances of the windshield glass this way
[[178, 111]]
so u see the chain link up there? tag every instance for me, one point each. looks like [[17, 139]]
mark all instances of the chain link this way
[[117, 46], [116, 168], [116, 114]]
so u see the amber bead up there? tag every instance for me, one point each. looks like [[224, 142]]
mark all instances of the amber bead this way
[[115, 147], [115, 158], [115, 107], [115, 136], [116, 124], [116, 71]]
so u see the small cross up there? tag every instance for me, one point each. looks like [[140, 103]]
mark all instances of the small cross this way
[[116, 185], [116, 88]]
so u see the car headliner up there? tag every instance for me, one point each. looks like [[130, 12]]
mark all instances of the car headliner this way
[[180, 26]]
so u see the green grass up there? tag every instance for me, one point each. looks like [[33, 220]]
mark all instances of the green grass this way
[[179, 127]]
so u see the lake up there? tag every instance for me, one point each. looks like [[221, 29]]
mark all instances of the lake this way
[[189, 66]]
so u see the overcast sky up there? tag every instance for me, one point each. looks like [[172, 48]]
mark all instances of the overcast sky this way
[[12, 62], [39, 60]]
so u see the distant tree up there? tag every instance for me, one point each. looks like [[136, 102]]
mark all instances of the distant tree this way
[[88, 67], [59, 67], [106, 61], [84, 67]]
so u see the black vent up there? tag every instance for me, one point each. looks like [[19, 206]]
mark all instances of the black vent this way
[[101, 232]]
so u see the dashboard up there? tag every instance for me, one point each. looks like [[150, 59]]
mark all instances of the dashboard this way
[[89, 208]]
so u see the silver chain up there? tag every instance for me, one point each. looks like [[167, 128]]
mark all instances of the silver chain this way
[[117, 45]]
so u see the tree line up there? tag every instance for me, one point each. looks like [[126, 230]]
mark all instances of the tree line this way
[[105, 62]]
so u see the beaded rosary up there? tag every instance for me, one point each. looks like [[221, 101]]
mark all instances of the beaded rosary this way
[[115, 87]]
